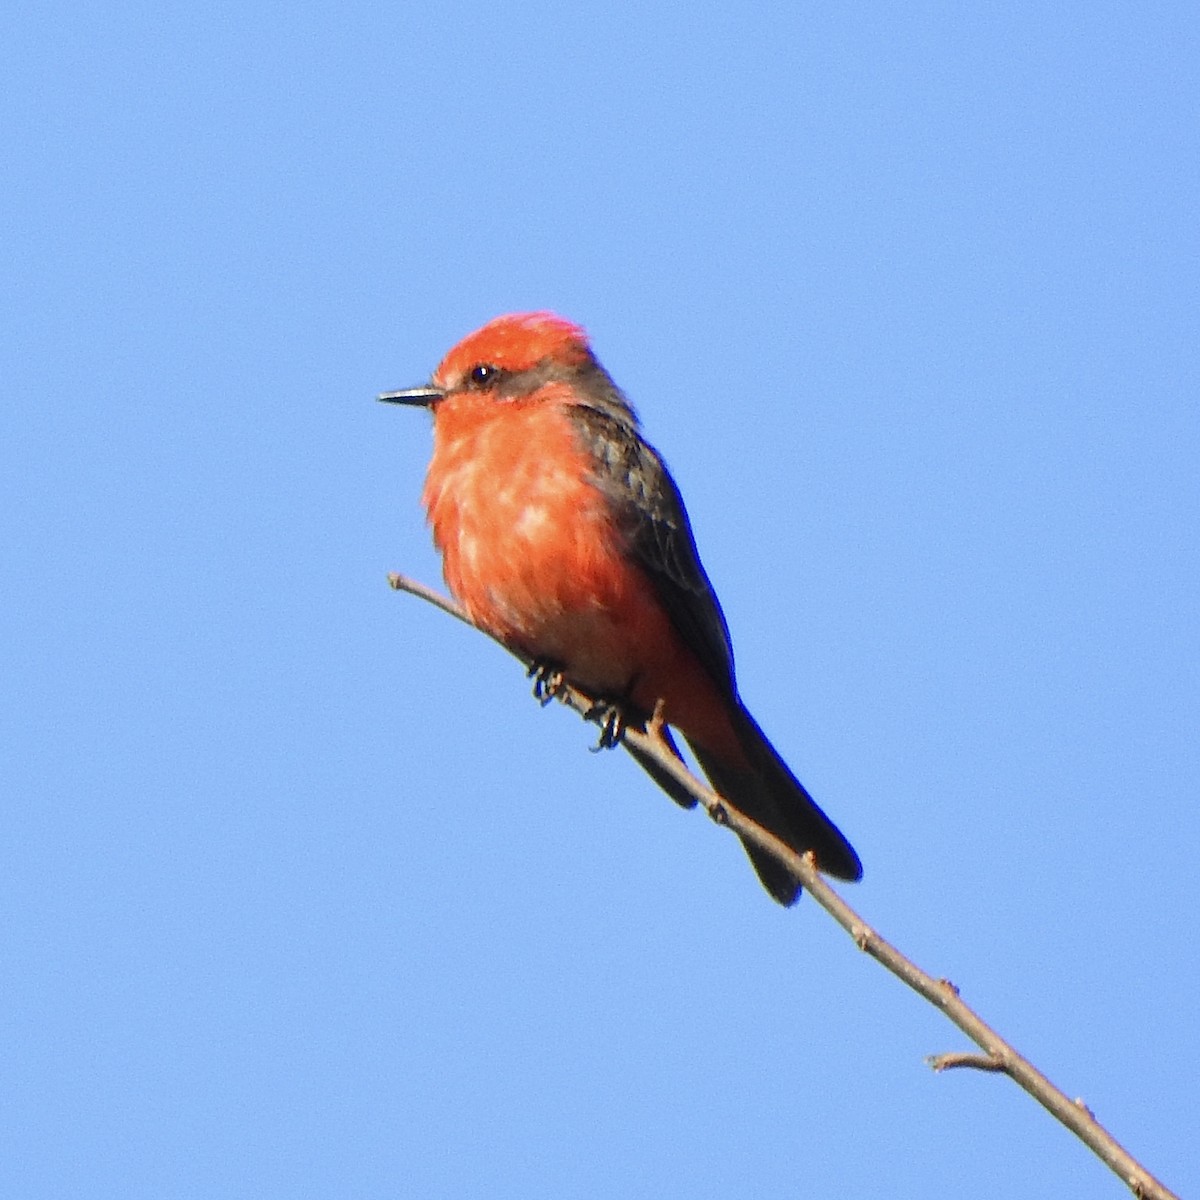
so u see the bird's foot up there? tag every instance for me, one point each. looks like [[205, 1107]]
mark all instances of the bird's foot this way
[[612, 721], [548, 681]]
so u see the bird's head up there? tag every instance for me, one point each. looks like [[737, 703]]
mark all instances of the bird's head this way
[[521, 356]]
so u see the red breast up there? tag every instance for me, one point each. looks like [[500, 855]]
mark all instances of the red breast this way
[[532, 551]]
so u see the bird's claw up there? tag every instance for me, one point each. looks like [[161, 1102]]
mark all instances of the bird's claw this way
[[611, 720], [547, 682]]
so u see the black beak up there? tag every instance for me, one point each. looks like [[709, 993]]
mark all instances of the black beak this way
[[421, 397]]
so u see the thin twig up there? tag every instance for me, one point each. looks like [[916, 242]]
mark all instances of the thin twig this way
[[961, 1058], [998, 1055]]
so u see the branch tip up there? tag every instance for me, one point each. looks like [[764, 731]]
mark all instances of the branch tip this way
[[978, 1062]]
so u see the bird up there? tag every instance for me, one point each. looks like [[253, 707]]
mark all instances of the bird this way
[[564, 536]]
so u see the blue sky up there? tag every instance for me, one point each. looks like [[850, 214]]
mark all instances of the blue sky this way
[[301, 894]]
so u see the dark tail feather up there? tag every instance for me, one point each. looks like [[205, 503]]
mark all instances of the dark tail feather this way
[[768, 793], [664, 779]]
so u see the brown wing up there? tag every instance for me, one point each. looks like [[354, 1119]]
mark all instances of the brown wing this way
[[654, 519]]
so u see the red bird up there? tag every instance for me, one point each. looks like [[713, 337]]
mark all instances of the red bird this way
[[563, 534]]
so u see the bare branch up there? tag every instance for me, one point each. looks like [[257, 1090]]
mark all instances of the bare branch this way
[[998, 1055], [981, 1062]]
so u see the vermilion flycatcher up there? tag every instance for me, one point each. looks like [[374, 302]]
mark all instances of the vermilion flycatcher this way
[[563, 534]]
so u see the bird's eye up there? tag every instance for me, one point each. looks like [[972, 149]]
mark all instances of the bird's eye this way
[[483, 375]]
